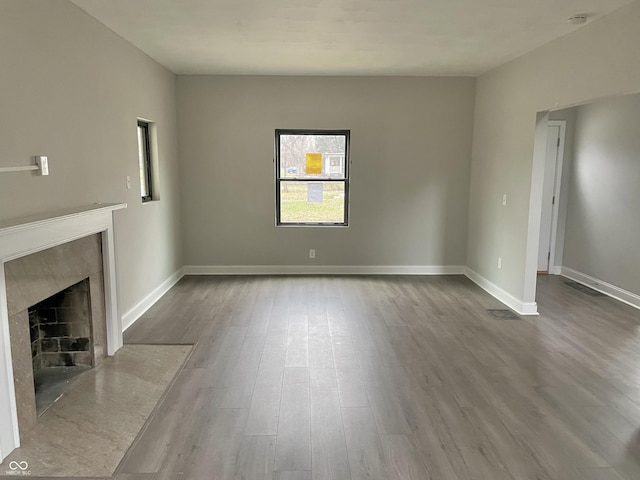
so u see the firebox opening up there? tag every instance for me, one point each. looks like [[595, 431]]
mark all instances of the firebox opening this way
[[61, 345]]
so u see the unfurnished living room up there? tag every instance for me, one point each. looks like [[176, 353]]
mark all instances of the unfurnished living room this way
[[320, 239]]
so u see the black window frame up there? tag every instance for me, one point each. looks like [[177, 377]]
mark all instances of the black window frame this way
[[146, 135], [323, 179]]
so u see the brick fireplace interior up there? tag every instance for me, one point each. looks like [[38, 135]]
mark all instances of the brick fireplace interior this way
[[61, 346]]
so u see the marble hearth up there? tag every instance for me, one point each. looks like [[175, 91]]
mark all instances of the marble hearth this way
[[39, 258]]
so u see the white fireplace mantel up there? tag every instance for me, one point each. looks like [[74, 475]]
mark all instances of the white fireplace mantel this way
[[25, 236]]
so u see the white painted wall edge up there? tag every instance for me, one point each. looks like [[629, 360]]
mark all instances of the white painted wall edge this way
[[603, 287], [324, 270], [520, 307], [147, 302]]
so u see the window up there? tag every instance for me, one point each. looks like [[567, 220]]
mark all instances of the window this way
[[144, 160], [312, 177]]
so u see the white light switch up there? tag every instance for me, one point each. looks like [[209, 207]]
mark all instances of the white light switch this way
[[128, 182], [504, 199], [43, 163]]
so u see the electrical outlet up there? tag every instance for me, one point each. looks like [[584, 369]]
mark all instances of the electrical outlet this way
[[499, 262], [312, 253]]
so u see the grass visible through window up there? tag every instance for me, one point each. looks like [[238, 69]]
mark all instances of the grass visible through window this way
[[296, 207]]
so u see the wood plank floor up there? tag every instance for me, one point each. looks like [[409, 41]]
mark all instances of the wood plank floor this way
[[390, 378]]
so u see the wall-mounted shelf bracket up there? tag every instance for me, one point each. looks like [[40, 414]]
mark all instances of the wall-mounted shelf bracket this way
[[42, 164]]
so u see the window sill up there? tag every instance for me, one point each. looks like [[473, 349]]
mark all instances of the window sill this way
[[311, 225]]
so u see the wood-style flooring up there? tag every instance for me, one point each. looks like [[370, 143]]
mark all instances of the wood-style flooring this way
[[310, 378]]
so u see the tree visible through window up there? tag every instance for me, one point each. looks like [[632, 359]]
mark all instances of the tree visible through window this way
[[312, 177]]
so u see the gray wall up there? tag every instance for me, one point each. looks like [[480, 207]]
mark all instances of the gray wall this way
[[603, 212], [597, 60], [72, 89], [410, 152]]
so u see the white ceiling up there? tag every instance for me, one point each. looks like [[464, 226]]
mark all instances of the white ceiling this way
[[340, 37]]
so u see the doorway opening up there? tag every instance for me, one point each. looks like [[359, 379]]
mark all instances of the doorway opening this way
[[554, 157]]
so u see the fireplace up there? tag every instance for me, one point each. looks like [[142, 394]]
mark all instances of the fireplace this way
[[67, 258], [61, 342], [56, 306], [60, 328]]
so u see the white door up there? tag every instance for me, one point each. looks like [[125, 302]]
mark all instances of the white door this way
[[550, 191]]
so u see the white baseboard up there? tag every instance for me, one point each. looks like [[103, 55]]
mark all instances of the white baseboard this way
[[324, 270], [603, 287], [555, 271], [520, 307], [147, 302]]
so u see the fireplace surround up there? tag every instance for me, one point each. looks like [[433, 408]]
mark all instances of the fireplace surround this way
[[50, 323], [24, 237]]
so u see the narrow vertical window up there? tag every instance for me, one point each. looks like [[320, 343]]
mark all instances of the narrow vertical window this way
[[312, 177], [144, 160]]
